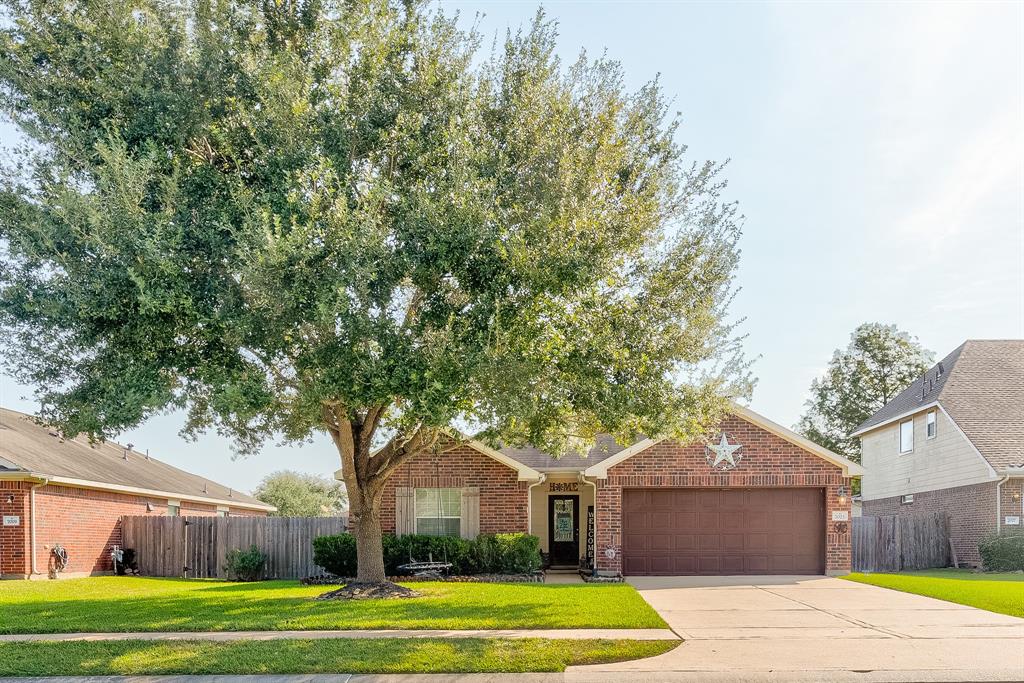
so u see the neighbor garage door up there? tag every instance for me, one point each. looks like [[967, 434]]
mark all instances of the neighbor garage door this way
[[674, 532]]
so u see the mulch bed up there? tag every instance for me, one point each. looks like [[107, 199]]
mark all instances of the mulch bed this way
[[331, 580], [369, 591]]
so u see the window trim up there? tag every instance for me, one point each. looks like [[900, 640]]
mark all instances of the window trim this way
[[931, 419], [176, 504], [907, 499], [900, 436], [434, 515]]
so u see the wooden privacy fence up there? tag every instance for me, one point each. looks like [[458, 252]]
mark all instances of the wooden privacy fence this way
[[197, 547], [893, 543]]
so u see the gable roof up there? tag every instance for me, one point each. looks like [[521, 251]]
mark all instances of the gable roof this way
[[535, 458], [850, 468], [30, 449], [980, 385]]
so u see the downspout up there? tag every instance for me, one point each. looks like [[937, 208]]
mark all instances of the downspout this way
[[529, 502], [32, 521], [593, 484], [999, 503]]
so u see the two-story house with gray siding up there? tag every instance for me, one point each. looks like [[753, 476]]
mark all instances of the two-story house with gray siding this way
[[953, 441]]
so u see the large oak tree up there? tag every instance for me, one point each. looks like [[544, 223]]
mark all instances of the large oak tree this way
[[293, 217]]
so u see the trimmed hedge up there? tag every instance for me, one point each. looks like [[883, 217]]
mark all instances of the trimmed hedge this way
[[1002, 552], [488, 554]]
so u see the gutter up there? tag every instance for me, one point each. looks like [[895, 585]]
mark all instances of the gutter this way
[[999, 503], [32, 521], [529, 502]]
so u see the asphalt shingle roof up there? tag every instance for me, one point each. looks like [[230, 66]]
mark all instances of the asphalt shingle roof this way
[[980, 386], [604, 448], [28, 446]]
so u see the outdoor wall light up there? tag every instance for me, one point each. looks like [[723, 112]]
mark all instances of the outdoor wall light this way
[[841, 492], [10, 498]]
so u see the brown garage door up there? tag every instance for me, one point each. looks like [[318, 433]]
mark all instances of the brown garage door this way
[[676, 532]]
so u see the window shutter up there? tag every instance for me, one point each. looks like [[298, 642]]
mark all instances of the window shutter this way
[[405, 511], [470, 512]]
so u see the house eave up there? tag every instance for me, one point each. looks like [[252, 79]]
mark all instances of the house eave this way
[[23, 475], [897, 418]]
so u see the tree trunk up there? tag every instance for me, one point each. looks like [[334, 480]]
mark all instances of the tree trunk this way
[[369, 543]]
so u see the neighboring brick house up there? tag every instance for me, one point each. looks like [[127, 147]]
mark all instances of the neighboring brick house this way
[[756, 499], [72, 493], [953, 442]]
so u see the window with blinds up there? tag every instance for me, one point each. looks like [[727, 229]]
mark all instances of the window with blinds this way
[[439, 512]]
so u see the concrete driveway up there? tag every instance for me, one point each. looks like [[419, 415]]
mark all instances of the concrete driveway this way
[[820, 629]]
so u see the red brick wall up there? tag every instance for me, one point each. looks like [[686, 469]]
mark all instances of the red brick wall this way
[[768, 461], [1011, 502], [14, 539], [85, 521], [502, 496], [972, 513]]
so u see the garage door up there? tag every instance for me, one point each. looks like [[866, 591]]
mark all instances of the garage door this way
[[676, 532]]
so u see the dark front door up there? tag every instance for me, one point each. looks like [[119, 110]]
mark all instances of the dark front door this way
[[564, 530], [723, 531]]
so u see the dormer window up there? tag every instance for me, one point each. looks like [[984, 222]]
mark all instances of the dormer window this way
[[907, 436], [930, 424]]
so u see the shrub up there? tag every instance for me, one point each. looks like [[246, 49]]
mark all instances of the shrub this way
[[489, 553], [507, 553], [245, 565], [1002, 552], [336, 554]]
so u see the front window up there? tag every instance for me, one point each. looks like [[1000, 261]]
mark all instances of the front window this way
[[439, 512], [930, 422], [906, 436]]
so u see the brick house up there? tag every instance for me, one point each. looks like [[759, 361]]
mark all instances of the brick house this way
[[953, 441], [72, 493], [755, 499]]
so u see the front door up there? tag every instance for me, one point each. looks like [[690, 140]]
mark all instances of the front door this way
[[564, 530]]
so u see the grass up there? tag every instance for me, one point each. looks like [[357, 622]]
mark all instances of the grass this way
[[391, 655], [1002, 593], [122, 604]]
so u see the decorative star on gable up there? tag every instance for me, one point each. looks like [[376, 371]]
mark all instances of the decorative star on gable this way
[[723, 456]]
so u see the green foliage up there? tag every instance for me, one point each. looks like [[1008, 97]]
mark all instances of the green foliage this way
[[488, 554], [336, 553], [259, 210], [507, 553], [879, 363], [1002, 552], [296, 494], [245, 565]]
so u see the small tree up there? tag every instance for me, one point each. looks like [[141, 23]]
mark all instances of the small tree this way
[[296, 494], [879, 363], [330, 216]]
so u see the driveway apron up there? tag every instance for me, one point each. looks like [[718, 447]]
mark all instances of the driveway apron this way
[[819, 624]]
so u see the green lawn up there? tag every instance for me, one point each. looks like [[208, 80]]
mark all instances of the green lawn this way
[[147, 604], [1003, 593], [391, 655]]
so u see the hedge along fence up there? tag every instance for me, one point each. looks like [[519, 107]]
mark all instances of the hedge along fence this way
[[486, 554], [1002, 552]]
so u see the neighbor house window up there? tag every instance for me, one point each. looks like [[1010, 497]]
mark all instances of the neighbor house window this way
[[173, 508], [439, 512], [907, 499], [222, 513], [906, 436], [930, 426]]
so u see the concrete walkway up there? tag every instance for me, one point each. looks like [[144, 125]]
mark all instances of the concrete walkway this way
[[228, 636], [817, 628]]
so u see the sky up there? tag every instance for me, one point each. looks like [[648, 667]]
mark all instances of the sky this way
[[876, 151]]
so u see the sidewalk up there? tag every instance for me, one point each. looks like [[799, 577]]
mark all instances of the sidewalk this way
[[228, 636]]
